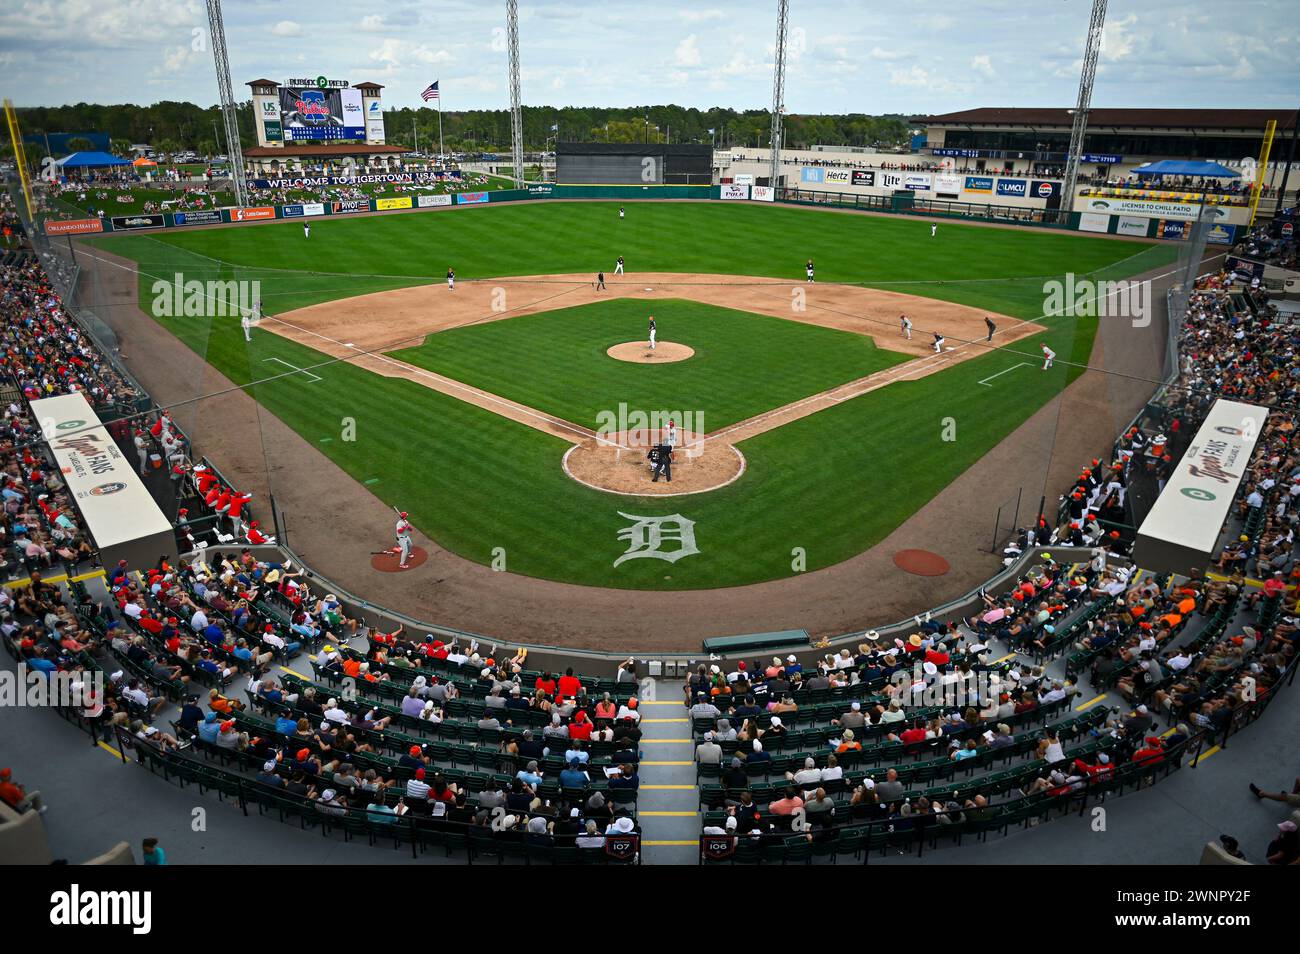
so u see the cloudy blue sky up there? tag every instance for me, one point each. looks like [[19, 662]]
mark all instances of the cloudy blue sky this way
[[881, 56]]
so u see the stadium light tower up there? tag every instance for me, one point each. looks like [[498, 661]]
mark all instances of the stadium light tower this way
[[234, 152], [1091, 50], [778, 86], [516, 107]]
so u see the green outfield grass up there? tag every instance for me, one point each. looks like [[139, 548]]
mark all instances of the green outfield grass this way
[[743, 364], [833, 483]]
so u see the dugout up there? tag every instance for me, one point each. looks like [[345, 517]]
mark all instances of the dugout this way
[[633, 163]]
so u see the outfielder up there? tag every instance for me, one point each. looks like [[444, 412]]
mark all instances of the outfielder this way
[[451, 279], [905, 326], [1048, 356], [618, 266], [809, 269], [306, 230], [934, 229], [620, 211], [653, 332], [403, 540]]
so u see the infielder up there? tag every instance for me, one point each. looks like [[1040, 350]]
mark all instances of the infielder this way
[[653, 332], [618, 266], [938, 343], [905, 326], [403, 540], [988, 323], [1048, 356], [246, 322], [451, 279], [600, 281], [809, 269]]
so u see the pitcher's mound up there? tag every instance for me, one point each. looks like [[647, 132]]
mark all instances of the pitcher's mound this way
[[617, 463], [921, 563], [387, 562], [639, 352]]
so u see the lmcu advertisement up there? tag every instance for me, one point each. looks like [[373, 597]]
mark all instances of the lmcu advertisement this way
[[1013, 187], [321, 114]]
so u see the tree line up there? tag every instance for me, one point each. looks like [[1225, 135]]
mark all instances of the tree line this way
[[171, 126]]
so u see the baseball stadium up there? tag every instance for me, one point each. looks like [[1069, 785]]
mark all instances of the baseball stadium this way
[[568, 499]]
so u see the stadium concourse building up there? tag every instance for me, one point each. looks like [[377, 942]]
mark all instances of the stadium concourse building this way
[[318, 125], [1012, 160]]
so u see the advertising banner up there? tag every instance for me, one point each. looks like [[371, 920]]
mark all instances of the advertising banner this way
[[300, 209], [316, 114], [1182, 528], [982, 184], [375, 122], [252, 214], [1042, 189], [1173, 230], [1101, 158], [116, 505], [1221, 234], [273, 132], [918, 181], [471, 198], [745, 178], [432, 201], [948, 186], [200, 217], [343, 208], [762, 194], [864, 177], [733, 192], [1094, 222], [73, 227], [316, 182], [889, 180], [537, 189], [839, 176], [1151, 208], [1016, 188], [383, 205], [1132, 225], [812, 174], [154, 221]]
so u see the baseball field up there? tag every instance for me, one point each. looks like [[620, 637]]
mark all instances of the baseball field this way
[[822, 427]]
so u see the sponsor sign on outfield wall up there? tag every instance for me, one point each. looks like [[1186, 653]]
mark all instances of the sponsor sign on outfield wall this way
[[918, 181], [812, 174], [982, 184], [73, 227], [200, 217], [1173, 229], [1148, 207], [1041, 189], [1131, 225], [947, 185], [141, 221], [432, 201], [1094, 222], [864, 177], [252, 214], [1181, 530], [840, 176], [1013, 187], [889, 180], [300, 209], [343, 208], [733, 191], [745, 178], [471, 198], [762, 194], [1221, 234], [382, 205]]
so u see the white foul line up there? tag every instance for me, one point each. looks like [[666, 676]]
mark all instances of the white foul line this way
[[1021, 364]]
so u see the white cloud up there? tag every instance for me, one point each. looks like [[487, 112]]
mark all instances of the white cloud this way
[[688, 52], [287, 28], [374, 23], [982, 65], [700, 16], [878, 53]]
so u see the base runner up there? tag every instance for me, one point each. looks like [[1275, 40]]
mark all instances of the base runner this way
[[1048, 357]]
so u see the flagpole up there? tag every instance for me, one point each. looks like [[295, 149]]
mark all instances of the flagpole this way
[[441, 150]]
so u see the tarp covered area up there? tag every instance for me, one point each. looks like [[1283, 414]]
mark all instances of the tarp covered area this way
[[1186, 167]]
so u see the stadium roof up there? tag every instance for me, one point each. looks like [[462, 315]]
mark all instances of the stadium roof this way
[[1144, 118], [324, 149]]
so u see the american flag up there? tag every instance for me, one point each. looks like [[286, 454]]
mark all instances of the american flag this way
[[431, 92]]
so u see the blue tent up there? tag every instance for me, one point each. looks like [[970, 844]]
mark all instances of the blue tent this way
[[1180, 167], [90, 160]]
